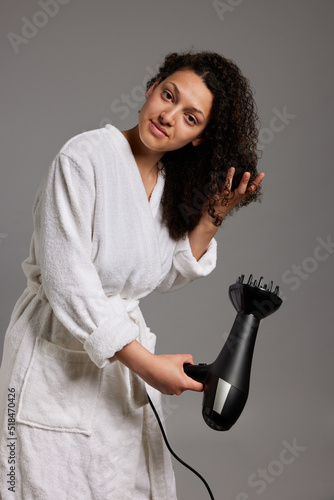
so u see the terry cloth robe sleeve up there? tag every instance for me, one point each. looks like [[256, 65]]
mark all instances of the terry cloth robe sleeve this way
[[69, 278], [185, 268]]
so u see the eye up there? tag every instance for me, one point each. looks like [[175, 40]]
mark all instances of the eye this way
[[167, 95], [191, 119]]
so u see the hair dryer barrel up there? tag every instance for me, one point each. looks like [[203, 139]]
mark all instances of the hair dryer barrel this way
[[226, 381], [235, 359]]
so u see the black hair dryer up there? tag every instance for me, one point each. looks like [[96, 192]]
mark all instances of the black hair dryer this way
[[226, 380]]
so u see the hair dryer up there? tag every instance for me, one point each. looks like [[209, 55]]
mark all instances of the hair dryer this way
[[226, 380]]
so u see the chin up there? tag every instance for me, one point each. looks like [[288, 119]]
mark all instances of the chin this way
[[151, 142]]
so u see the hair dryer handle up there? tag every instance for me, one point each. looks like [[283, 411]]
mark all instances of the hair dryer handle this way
[[197, 372]]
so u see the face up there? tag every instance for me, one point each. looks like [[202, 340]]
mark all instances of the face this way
[[175, 113]]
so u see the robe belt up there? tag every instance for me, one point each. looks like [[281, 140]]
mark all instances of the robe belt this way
[[37, 288], [127, 307], [122, 305], [130, 307]]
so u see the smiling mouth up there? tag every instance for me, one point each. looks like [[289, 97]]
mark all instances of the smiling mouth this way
[[158, 130]]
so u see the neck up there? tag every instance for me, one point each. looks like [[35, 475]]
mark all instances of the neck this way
[[146, 159]]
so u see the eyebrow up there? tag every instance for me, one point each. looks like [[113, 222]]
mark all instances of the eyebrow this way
[[177, 92]]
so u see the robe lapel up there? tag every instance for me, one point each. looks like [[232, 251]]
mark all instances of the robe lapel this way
[[146, 210]]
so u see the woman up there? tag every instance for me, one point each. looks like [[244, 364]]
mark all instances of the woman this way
[[119, 214]]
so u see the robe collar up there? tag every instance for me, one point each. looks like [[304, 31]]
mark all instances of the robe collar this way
[[154, 202], [148, 222]]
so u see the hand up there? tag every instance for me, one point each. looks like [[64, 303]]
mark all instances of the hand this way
[[233, 198], [163, 372], [166, 374]]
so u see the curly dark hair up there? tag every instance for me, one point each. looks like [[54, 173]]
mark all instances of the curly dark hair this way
[[195, 175]]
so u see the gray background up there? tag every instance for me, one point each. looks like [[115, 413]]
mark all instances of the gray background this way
[[68, 78]]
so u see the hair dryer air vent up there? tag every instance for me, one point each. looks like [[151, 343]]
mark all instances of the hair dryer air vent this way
[[254, 298], [226, 380]]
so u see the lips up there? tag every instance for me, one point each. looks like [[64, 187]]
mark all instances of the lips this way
[[158, 130]]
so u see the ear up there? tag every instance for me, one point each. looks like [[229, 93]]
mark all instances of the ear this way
[[198, 140], [152, 87]]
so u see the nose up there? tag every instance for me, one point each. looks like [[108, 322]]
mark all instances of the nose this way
[[167, 117]]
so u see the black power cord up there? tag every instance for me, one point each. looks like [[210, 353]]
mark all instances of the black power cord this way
[[174, 454]]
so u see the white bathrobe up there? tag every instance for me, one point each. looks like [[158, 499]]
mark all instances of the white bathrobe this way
[[84, 430]]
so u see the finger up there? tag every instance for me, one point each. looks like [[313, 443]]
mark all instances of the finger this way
[[196, 386], [259, 178], [193, 385], [187, 358], [255, 184], [229, 178], [241, 189]]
